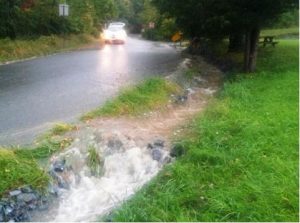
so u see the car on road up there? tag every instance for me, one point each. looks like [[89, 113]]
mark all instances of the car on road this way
[[115, 33]]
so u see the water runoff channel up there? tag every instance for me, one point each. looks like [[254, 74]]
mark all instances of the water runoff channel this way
[[85, 194]]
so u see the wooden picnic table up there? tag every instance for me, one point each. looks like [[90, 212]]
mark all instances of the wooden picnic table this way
[[268, 40]]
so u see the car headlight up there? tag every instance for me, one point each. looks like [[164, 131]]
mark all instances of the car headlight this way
[[106, 34]]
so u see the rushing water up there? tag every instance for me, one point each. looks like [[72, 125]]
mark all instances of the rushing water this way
[[126, 168], [124, 174]]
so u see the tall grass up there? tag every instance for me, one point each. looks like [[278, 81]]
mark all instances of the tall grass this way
[[21, 49], [17, 171], [18, 166], [150, 94], [43, 149], [51, 142], [241, 162], [94, 162], [60, 129]]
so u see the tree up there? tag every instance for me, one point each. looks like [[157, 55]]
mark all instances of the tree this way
[[32, 18], [251, 16], [129, 10], [149, 13], [9, 17], [105, 10], [217, 19]]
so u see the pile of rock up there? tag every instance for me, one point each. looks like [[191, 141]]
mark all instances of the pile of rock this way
[[158, 152], [60, 179], [18, 204], [63, 171]]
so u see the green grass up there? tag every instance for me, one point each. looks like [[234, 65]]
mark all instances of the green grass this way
[[43, 149], [60, 129], [241, 161], [148, 95], [21, 49], [51, 142], [292, 31], [16, 171], [94, 162], [19, 166]]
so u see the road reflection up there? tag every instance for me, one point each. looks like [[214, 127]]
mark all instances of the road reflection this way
[[112, 68]]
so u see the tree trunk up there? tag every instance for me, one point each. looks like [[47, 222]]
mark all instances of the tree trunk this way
[[247, 52], [253, 49], [250, 53]]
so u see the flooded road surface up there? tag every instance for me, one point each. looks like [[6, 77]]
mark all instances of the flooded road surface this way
[[35, 94]]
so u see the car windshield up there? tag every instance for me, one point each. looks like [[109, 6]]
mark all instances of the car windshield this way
[[114, 28]]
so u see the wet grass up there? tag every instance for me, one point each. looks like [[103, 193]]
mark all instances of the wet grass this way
[[61, 129], [44, 45], [94, 162], [16, 171], [241, 161], [43, 149], [148, 95], [19, 165], [51, 142]]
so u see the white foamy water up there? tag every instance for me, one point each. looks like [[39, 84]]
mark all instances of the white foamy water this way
[[126, 168], [124, 173]]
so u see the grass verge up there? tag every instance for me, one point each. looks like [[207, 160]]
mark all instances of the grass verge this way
[[43, 149], [19, 166], [21, 49], [48, 144], [241, 160], [59, 129], [16, 171], [150, 94]]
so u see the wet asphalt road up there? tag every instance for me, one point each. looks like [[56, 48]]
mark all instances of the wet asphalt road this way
[[37, 93]]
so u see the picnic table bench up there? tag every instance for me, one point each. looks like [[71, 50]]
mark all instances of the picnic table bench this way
[[268, 40]]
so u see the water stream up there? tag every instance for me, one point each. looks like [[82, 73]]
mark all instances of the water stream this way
[[84, 197]]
